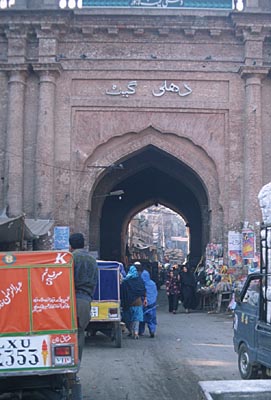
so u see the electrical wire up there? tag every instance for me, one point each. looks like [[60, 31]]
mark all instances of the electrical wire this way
[[111, 166]]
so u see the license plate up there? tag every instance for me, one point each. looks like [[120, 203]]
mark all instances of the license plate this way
[[24, 352], [94, 312]]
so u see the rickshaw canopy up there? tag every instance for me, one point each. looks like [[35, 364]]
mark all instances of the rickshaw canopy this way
[[108, 280]]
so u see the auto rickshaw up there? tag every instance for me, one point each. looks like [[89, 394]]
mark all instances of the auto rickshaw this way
[[38, 326], [105, 306]]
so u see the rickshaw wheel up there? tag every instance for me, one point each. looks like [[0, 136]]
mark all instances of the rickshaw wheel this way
[[117, 334]]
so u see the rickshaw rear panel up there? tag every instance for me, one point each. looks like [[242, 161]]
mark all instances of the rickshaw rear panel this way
[[38, 324], [105, 306]]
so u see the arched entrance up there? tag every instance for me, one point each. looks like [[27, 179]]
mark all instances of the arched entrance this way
[[150, 176]]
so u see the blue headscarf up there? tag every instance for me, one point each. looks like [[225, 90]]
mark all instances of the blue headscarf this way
[[132, 273], [150, 286], [131, 288]]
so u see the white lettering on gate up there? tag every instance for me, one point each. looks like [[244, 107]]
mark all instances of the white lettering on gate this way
[[10, 293], [172, 88], [165, 87]]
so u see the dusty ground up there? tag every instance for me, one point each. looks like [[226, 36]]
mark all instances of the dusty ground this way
[[188, 348]]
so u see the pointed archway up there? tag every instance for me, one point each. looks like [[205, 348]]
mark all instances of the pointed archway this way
[[150, 176]]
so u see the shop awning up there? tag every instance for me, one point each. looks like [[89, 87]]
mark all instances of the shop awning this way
[[179, 239], [140, 244], [34, 228], [20, 228], [11, 229]]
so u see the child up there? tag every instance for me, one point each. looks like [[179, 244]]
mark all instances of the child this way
[[149, 309]]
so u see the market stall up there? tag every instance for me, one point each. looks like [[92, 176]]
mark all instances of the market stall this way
[[214, 281]]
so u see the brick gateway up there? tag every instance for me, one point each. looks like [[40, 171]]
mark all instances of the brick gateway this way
[[179, 97]]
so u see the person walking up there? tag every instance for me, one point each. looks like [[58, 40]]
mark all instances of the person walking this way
[[132, 290], [176, 270], [188, 293], [85, 280], [149, 309], [173, 290], [139, 267]]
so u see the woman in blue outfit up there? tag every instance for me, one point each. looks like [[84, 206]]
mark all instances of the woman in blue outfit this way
[[149, 309], [132, 291]]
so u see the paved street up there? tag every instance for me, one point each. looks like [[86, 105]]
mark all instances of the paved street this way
[[188, 348]]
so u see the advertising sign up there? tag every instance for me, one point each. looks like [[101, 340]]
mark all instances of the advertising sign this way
[[234, 241], [61, 237], [248, 244], [224, 4]]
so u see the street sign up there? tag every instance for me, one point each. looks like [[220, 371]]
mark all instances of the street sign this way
[[219, 4]]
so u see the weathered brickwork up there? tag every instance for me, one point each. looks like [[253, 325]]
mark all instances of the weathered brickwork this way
[[92, 88]]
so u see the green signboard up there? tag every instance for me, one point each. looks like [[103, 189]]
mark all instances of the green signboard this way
[[219, 4]]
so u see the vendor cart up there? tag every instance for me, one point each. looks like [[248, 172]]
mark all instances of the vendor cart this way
[[105, 306]]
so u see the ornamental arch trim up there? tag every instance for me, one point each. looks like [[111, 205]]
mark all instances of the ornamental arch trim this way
[[119, 148]]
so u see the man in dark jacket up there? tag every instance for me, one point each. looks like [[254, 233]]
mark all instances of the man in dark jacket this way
[[85, 280]]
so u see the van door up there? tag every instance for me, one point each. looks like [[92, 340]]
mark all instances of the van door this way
[[247, 315], [263, 331]]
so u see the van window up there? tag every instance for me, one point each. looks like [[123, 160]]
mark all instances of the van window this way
[[253, 293]]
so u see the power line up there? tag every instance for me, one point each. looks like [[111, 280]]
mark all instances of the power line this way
[[111, 166]]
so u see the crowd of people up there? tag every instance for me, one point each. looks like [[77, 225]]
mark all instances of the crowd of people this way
[[138, 292], [139, 296], [181, 287]]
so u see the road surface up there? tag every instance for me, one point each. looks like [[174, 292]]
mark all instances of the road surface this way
[[188, 348]]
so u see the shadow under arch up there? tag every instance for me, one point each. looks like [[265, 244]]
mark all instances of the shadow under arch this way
[[150, 175]]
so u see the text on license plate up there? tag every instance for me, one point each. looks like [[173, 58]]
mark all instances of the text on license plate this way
[[25, 352], [63, 361], [94, 312]]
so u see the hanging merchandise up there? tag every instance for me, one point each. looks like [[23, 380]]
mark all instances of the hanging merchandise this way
[[253, 265], [214, 251]]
